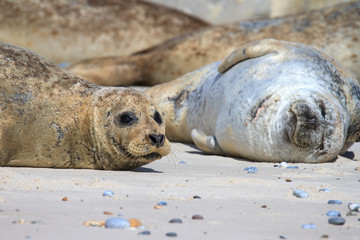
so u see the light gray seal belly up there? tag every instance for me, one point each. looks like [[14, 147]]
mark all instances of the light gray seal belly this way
[[269, 101], [51, 118]]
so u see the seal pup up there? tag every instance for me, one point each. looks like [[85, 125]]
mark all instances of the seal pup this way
[[335, 31], [269, 101], [51, 118], [69, 31]]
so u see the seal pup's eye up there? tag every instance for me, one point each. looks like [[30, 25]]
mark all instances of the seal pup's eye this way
[[157, 118], [127, 118]]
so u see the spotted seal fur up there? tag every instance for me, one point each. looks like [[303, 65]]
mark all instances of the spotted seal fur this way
[[69, 31], [50, 118], [334, 31]]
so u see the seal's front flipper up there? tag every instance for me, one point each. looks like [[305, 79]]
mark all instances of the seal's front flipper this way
[[206, 143], [251, 50]]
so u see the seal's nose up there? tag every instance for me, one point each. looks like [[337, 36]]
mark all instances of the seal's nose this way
[[157, 140]]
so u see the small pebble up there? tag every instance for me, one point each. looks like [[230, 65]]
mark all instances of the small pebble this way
[[37, 222], [20, 221], [334, 202], [107, 213], [116, 222], [292, 167], [145, 233], [336, 220], [175, 220], [354, 207], [357, 169], [325, 236], [333, 214], [324, 190], [108, 193], [308, 226], [135, 223], [28, 237], [282, 237], [300, 193], [162, 203], [197, 217], [288, 180], [196, 197], [251, 169], [171, 234], [182, 162], [284, 164], [94, 223], [65, 199], [158, 207]]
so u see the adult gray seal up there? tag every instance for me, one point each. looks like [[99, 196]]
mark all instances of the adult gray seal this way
[[334, 31], [50, 118], [69, 31], [270, 101]]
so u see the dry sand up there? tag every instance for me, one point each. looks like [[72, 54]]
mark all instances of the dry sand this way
[[234, 204]]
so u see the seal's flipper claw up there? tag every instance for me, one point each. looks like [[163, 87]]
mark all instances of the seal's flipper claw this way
[[206, 143], [250, 50]]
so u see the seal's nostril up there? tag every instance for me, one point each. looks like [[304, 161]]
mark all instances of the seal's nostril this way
[[157, 140], [162, 140]]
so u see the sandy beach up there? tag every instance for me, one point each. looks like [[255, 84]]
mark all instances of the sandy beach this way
[[234, 204]]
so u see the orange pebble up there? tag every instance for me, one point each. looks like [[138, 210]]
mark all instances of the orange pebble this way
[[158, 207], [94, 223], [65, 199], [134, 222]]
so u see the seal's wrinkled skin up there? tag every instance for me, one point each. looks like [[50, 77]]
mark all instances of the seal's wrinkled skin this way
[[335, 31], [50, 118], [269, 100], [68, 31]]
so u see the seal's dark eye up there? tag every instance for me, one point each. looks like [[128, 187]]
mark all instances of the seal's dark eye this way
[[158, 118], [127, 118]]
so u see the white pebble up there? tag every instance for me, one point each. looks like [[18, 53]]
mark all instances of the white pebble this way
[[354, 207]]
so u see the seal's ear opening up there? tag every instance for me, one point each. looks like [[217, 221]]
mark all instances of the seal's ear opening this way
[[250, 50]]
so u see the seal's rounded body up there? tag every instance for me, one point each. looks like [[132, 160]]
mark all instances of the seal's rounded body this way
[[69, 31], [334, 31], [50, 118], [280, 101]]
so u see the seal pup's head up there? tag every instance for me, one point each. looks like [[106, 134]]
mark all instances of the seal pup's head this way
[[128, 130]]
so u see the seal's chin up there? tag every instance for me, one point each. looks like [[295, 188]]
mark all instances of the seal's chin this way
[[152, 156]]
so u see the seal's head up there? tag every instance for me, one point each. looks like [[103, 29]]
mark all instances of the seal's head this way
[[310, 127], [128, 129]]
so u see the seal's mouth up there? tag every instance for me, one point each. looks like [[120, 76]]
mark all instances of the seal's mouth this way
[[150, 157], [307, 127]]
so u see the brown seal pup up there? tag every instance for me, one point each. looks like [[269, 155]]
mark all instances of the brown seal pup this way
[[335, 31], [69, 31], [267, 101], [51, 118]]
